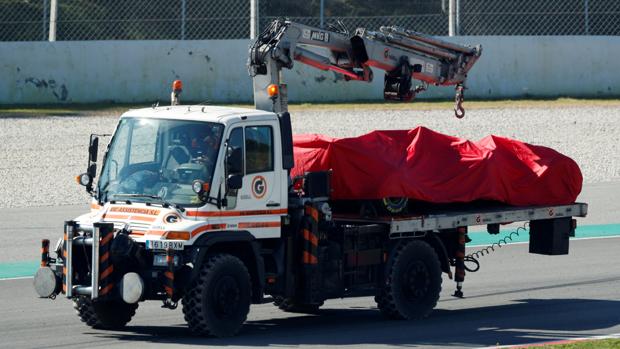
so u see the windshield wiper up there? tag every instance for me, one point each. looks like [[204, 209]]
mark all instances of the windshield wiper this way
[[164, 203]]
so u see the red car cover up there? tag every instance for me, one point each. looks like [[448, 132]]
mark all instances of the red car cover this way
[[425, 165]]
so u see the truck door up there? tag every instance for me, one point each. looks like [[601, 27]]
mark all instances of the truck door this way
[[257, 206]]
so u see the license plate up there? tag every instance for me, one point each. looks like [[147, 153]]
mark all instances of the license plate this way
[[165, 244]]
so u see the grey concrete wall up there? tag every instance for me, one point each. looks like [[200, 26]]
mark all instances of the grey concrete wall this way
[[214, 71]]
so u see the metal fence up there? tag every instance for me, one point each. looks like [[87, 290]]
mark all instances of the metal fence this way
[[35, 20], [536, 17]]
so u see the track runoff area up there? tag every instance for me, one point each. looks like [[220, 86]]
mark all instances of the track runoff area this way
[[515, 300]]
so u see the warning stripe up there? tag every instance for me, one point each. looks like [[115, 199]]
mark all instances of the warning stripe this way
[[124, 216], [235, 213], [107, 239], [144, 219], [242, 225], [311, 237], [115, 216], [260, 225], [312, 212], [106, 272], [106, 289], [309, 259], [208, 227]]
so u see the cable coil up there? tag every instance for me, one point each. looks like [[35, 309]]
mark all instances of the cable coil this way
[[473, 257]]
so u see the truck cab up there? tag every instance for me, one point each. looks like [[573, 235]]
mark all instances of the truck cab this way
[[206, 163], [178, 184]]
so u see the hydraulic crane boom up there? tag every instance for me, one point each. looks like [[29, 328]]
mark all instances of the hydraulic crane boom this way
[[403, 54]]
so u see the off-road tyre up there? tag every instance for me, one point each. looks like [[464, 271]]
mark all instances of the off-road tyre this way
[[106, 315], [289, 306], [217, 303], [412, 282]]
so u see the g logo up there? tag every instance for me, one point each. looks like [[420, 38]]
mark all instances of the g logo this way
[[259, 187]]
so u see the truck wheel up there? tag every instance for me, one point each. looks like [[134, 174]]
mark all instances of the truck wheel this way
[[290, 306], [218, 301], [413, 282], [105, 314], [394, 205]]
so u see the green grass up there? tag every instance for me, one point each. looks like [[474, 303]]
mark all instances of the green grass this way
[[587, 344], [117, 109]]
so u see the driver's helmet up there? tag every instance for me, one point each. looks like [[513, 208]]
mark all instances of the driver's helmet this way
[[205, 143]]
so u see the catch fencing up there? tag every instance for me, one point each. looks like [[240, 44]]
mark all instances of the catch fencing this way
[[72, 20]]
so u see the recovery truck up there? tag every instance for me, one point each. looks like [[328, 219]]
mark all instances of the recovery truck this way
[[195, 204]]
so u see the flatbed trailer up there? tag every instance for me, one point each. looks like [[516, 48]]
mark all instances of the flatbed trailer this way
[[440, 219], [368, 243]]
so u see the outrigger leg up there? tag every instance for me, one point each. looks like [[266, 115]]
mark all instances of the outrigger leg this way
[[459, 272]]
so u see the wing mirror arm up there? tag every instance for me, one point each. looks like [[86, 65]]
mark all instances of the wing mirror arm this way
[[86, 179]]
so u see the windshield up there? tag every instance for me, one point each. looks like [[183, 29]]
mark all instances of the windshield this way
[[159, 159]]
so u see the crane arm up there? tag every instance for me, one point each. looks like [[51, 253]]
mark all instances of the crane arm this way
[[403, 54]]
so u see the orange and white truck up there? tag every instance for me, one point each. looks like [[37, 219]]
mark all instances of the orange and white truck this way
[[195, 204]]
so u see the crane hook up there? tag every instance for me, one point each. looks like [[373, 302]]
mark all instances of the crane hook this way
[[459, 111]]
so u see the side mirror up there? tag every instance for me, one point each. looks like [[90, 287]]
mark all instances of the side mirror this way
[[234, 182], [92, 170], [93, 148], [234, 161]]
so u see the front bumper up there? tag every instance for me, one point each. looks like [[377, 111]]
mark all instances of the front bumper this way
[[90, 265]]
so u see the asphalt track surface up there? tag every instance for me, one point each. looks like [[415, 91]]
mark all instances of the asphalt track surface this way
[[515, 298]]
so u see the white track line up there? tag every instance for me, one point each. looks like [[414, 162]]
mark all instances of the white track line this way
[[559, 341], [18, 278]]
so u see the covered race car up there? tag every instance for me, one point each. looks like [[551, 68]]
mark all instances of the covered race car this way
[[424, 165]]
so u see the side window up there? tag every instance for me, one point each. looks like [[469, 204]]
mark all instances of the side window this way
[[258, 149], [235, 145]]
